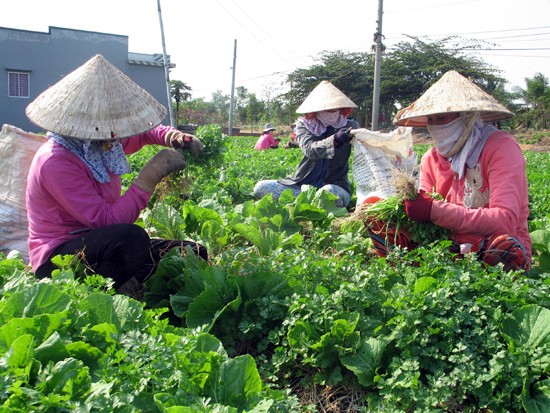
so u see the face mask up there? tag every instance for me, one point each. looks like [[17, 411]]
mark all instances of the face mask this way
[[329, 118], [445, 136]]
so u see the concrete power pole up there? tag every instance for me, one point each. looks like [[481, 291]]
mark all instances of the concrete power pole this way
[[166, 69], [232, 101], [377, 61]]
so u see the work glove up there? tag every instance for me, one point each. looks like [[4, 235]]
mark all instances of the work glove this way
[[180, 140], [419, 209], [343, 135], [162, 164]]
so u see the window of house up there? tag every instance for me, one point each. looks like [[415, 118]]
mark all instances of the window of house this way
[[18, 84]]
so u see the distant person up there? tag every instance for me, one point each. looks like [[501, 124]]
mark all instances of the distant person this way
[[266, 139], [477, 169], [324, 136], [95, 116]]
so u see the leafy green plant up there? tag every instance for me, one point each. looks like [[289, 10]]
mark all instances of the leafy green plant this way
[[237, 309], [66, 347], [540, 239], [316, 312]]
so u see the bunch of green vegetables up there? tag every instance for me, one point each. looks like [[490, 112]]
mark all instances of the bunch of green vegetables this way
[[391, 211]]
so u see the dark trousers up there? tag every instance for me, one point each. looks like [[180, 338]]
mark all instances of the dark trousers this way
[[119, 251]]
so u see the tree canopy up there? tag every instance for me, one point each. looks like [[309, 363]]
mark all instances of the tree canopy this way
[[407, 71]]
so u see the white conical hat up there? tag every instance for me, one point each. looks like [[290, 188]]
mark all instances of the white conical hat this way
[[97, 102], [452, 93], [325, 96]]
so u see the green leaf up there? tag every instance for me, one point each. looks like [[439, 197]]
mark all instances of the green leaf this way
[[38, 299], [287, 197], [540, 240], [424, 284], [263, 284], [366, 360], [84, 351], [537, 400], [129, 312], [196, 215], [40, 327], [52, 349], [528, 326], [265, 239], [308, 212], [207, 343], [68, 376], [210, 305], [21, 351], [214, 234], [99, 308], [302, 335], [240, 384]]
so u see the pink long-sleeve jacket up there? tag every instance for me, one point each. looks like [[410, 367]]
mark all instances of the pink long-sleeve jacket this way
[[491, 198], [266, 141], [63, 196]]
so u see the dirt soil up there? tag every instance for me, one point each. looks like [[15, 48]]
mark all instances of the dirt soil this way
[[529, 140]]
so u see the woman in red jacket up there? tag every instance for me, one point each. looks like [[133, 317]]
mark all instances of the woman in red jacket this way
[[477, 169]]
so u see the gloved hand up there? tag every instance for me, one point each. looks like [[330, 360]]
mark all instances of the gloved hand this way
[[343, 135], [162, 164], [180, 140], [419, 209]]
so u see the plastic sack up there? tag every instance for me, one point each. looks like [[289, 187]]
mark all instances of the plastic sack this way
[[17, 149], [376, 156]]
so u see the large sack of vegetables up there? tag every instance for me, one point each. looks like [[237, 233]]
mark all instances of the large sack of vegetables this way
[[17, 149], [377, 156]]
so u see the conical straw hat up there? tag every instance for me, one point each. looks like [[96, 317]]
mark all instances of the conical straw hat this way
[[325, 96], [98, 102], [452, 93]]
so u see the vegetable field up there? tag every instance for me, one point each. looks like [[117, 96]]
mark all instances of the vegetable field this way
[[292, 313]]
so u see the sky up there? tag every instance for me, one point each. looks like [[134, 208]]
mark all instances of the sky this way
[[273, 38]]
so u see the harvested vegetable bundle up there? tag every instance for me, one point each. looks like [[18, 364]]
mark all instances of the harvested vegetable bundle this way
[[391, 212], [174, 185]]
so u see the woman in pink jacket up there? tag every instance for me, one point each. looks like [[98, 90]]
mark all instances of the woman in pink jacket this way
[[477, 169], [95, 116], [266, 140]]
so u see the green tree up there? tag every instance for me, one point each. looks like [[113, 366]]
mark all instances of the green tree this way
[[180, 92], [240, 104], [534, 109], [220, 104], [255, 111], [406, 72], [353, 73], [199, 112]]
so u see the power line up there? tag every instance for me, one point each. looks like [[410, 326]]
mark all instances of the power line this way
[[263, 31], [251, 32]]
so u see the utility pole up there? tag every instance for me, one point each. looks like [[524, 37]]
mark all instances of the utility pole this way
[[232, 101], [376, 90], [166, 70]]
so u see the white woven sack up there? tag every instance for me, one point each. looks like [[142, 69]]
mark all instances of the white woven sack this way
[[17, 149], [376, 156]]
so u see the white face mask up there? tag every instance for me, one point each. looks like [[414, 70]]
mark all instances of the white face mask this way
[[328, 118], [445, 136]]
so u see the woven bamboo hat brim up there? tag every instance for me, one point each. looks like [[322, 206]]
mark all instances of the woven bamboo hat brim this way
[[97, 102], [325, 96], [452, 93]]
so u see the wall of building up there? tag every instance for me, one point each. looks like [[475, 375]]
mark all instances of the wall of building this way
[[47, 57]]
